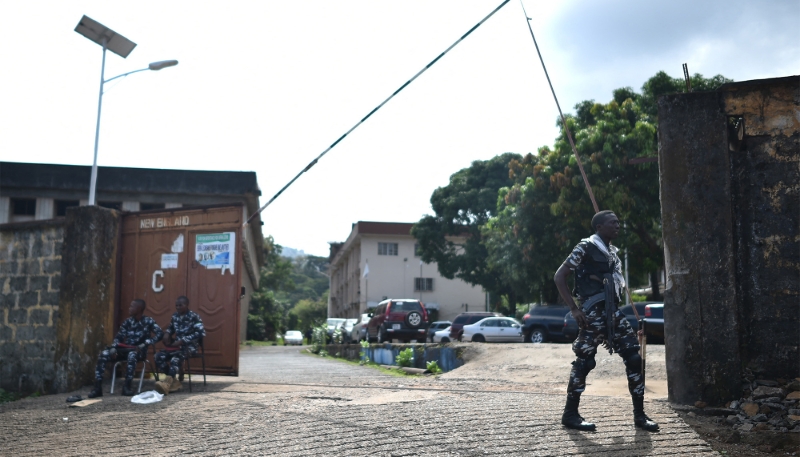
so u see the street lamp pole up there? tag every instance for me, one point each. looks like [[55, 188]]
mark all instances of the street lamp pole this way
[[93, 182], [154, 66], [118, 44]]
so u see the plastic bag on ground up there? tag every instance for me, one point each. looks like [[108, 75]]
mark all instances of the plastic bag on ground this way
[[145, 398]]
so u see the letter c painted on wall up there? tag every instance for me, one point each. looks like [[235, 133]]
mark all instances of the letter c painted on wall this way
[[156, 274]]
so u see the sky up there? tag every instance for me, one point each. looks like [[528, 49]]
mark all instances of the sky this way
[[267, 86]]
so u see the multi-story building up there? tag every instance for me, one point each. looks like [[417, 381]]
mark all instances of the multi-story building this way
[[378, 261]]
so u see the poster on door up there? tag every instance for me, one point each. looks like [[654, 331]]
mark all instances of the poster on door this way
[[216, 250]]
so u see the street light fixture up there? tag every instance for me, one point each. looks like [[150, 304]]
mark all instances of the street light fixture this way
[[118, 44]]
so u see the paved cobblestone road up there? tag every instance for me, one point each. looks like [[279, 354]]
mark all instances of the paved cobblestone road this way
[[265, 412]]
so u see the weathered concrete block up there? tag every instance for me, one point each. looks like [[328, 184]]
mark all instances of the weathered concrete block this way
[[47, 249], [55, 283], [38, 247], [58, 246], [48, 298], [18, 316], [51, 266], [44, 333], [8, 301], [25, 333], [18, 283], [6, 333], [8, 267], [39, 316], [37, 283], [29, 267], [8, 351], [28, 299]]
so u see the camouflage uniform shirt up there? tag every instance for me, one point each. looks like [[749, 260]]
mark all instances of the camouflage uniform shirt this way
[[134, 333], [187, 328]]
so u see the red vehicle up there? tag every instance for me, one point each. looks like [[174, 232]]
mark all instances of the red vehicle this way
[[403, 320], [457, 327]]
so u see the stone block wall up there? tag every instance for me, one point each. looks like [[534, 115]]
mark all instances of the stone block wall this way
[[30, 280], [729, 163]]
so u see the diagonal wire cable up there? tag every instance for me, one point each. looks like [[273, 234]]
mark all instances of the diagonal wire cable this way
[[314, 162], [563, 119]]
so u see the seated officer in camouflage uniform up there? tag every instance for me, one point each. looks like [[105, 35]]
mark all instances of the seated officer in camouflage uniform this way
[[181, 339], [135, 334], [593, 259]]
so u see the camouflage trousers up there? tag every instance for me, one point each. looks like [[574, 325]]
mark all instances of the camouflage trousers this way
[[170, 362], [625, 343], [132, 357]]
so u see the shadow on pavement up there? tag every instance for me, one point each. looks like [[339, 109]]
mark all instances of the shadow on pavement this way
[[642, 442]]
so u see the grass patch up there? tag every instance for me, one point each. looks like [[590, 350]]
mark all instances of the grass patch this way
[[396, 372], [262, 343]]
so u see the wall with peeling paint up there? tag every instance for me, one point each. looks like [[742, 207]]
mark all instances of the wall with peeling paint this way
[[729, 165], [86, 302]]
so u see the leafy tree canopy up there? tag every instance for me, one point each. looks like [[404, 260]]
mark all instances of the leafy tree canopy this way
[[461, 208], [546, 211], [284, 285]]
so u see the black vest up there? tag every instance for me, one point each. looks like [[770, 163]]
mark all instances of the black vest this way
[[595, 263]]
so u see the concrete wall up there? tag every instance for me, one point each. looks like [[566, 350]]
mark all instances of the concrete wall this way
[[86, 301], [30, 277], [730, 194]]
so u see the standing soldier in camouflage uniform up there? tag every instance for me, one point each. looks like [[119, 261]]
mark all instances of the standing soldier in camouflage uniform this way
[[130, 344], [181, 339], [592, 260]]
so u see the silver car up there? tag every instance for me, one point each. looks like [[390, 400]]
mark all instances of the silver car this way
[[293, 337], [494, 329], [359, 331]]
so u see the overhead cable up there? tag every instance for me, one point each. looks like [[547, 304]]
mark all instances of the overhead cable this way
[[563, 119], [314, 162]]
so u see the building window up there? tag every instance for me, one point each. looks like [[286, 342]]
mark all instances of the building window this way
[[417, 250], [62, 205], [147, 206], [387, 248], [23, 206], [423, 284], [111, 205]]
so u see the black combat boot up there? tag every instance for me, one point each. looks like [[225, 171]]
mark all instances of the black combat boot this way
[[126, 388], [640, 419], [97, 391], [571, 418]]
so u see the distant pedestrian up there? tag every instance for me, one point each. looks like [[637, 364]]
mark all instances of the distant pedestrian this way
[[598, 286]]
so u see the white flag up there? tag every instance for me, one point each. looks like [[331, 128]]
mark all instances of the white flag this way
[[366, 271]]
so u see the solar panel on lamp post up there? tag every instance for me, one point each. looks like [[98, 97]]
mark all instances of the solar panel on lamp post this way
[[118, 44]]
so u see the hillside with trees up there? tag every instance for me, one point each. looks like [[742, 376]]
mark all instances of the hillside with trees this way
[[292, 295]]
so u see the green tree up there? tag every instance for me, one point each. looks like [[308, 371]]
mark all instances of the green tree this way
[[461, 208], [310, 313], [546, 211], [266, 311]]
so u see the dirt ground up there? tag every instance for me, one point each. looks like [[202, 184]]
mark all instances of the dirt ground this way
[[545, 368]]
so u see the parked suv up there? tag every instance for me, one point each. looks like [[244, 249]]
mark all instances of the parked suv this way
[[544, 323], [457, 327], [404, 320]]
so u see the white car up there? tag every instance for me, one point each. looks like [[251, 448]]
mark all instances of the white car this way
[[442, 336], [359, 332], [494, 329], [293, 337]]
